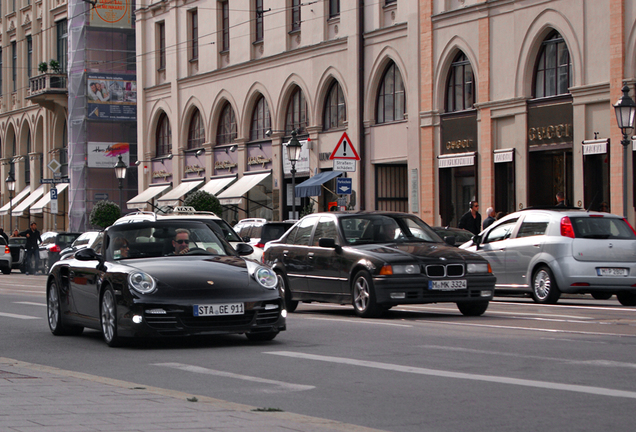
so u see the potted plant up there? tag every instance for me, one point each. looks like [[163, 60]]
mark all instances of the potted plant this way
[[55, 66], [43, 67]]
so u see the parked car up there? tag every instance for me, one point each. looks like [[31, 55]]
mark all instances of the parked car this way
[[187, 213], [137, 286], [257, 232], [546, 252], [376, 260], [17, 246], [84, 240], [51, 246], [459, 235], [6, 261]]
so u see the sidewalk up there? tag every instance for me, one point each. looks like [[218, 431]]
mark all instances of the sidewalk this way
[[36, 398]]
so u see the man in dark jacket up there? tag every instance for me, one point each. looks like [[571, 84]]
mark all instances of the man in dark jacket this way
[[32, 246], [490, 213], [4, 234], [471, 220]]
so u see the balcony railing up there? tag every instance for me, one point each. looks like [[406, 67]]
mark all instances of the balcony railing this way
[[47, 83]]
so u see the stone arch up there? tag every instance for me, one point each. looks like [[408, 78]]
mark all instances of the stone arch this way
[[192, 105], [546, 22], [221, 99], [254, 93], [157, 110]]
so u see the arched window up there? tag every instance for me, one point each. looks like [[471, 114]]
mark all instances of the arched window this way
[[27, 159], [196, 132], [553, 75], [460, 91], [296, 117], [164, 136], [260, 120], [226, 132], [391, 98], [335, 108]]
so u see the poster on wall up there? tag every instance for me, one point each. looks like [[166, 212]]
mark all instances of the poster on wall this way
[[111, 96], [111, 13], [106, 155]]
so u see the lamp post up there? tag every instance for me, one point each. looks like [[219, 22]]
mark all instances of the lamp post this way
[[293, 154], [625, 110], [11, 186], [120, 172]]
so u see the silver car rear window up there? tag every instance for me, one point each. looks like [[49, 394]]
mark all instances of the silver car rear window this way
[[602, 228]]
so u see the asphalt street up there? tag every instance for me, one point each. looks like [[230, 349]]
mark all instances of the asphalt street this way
[[521, 366]]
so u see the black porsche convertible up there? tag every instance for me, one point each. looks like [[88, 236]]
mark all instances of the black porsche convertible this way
[[163, 278], [374, 261]]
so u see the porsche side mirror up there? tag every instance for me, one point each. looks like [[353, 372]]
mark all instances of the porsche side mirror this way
[[244, 249], [246, 239], [88, 254]]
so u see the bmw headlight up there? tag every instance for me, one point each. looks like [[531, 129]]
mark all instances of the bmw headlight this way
[[406, 269], [142, 282], [263, 275], [478, 268]]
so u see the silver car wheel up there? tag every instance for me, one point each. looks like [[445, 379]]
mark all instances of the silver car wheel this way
[[361, 294], [108, 316], [364, 300], [542, 284], [53, 308]]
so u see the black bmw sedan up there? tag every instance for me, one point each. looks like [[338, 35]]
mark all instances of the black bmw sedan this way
[[374, 261], [164, 278]]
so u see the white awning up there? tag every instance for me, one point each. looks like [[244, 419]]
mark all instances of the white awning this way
[[173, 198], [16, 199], [38, 207], [141, 200], [234, 194], [216, 184], [33, 197]]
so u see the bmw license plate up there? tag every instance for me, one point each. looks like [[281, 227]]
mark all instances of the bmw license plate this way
[[219, 309], [611, 271], [447, 285]]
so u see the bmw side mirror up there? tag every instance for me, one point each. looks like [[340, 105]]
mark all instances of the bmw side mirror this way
[[328, 243], [244, 249], [450, 240]]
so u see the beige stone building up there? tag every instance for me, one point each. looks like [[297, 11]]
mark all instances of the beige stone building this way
[[215, 76], [516, 104]]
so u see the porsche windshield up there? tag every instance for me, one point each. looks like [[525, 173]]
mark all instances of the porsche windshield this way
[[378, 228], [164, 238]]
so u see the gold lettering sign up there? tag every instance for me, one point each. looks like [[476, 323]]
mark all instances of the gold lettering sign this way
[[459, 144], [221, 165], [189, 169], [550, 132], [258, 160], [161, 174]]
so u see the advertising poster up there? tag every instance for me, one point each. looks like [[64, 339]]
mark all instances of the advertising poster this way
[[105, 154], [112, 13], [111, 96]]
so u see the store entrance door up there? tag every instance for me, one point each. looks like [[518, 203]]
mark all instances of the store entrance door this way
[[548, 173]]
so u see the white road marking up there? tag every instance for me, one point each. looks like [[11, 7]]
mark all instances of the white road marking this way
[[15, 291], [359, 321], [459, 375], [577, 306], [31, 303], [197, 369], [24, 317]]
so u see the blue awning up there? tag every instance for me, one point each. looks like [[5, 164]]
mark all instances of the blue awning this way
[[311, 187]]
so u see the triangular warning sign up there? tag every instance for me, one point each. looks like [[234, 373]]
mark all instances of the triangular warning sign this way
[[344, 149]]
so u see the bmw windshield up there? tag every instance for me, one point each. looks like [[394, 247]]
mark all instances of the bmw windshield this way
[[374, 228]]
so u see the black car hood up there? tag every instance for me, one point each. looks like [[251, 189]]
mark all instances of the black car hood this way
[[423, 251]]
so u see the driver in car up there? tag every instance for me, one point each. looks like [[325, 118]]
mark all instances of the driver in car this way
[[181, 242]]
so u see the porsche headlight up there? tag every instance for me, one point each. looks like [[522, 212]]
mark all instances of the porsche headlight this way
[[263, 275], [142, 282], [478, 268]]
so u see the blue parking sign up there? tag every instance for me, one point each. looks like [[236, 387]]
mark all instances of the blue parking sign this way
[[53, 194], [343, 186]]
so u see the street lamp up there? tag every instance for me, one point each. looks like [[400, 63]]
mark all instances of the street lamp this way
[[11, 186], [293, 155], [120, 172], [625, 110]]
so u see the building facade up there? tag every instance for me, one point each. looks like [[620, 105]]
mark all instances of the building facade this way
[[223, 84], [516, 104]]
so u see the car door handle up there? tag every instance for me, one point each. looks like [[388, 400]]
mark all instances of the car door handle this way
[[285, 253], [537, 245], [310, 255], [71, 274]]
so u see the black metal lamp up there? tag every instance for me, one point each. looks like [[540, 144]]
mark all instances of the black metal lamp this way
[[293, 155], [625, 110], [120, 172], [10, 181]]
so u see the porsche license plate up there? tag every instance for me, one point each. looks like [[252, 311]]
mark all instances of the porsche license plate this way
[[219, 309], [611, 271], [447, 285]]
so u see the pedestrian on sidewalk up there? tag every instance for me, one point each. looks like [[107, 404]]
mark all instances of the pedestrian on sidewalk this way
[[32, 247], [471, 220]]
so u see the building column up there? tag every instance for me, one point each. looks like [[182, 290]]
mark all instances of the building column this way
[[486, 173], [428, 206]]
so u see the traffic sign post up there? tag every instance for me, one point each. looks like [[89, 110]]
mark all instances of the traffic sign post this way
[[343, 186], [344, 165], [344, 149]]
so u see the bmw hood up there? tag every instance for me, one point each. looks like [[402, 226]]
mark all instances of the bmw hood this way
[[420, 251]]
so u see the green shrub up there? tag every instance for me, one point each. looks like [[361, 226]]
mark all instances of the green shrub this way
[[104, 214], [204, 201]]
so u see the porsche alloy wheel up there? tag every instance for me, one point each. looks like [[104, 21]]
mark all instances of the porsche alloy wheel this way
[[108, 317], [363, 296], [54, 314]]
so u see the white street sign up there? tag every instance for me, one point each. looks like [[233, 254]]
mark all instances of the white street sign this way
[[54, 206], [344, 165], [54, 166]]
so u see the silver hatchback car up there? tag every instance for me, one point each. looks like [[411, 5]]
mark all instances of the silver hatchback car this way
[[547, 252]]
